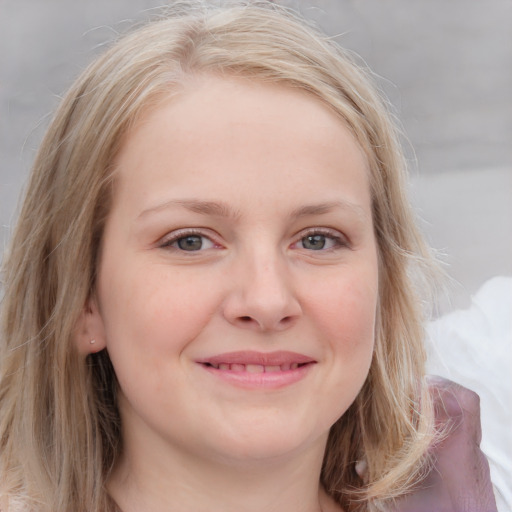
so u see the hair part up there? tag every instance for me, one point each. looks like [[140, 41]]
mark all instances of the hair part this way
[[59, 423]]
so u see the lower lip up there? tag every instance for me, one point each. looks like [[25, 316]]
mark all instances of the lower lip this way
[[265, 380]]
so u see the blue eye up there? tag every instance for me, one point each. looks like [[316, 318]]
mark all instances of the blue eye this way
[[319, 241], [314, 242], [189, 242]]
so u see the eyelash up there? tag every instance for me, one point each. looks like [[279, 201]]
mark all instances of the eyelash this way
[[339, 240], [167, 242]]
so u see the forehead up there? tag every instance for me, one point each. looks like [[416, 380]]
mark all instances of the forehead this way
[[214, 130], [197, 99]]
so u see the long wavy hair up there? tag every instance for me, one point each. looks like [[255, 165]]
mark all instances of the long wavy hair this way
[[59, 422]]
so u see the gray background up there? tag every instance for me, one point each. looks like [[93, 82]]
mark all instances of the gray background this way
[[446, 66]]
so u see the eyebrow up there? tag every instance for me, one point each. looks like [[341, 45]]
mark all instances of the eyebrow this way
[[322, 208], [220, 209], [194, 205]]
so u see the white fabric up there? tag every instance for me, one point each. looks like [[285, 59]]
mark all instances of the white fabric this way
[[474, 348]]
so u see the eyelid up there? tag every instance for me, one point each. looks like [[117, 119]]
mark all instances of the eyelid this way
[[341, 240], [170, 238], [167, 240]]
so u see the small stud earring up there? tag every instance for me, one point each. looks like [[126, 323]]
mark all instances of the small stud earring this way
[[92, 342]]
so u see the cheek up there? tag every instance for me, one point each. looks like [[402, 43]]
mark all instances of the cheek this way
[[150, 319], [344, 317], [152, 314], [357, 310], [346, 310]]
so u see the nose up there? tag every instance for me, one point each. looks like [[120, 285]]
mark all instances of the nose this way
[[262, 296]]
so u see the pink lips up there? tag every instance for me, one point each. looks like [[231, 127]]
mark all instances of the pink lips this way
[[250, 369]]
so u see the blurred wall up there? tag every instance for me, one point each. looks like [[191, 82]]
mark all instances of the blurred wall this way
[[445, 65]]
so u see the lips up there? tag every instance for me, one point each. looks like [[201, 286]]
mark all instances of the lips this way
[[256, 370], [257, 362]]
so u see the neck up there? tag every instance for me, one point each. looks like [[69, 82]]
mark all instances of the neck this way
[[160, 482]]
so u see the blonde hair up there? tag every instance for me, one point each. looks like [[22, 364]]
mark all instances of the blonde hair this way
[[59, 423]]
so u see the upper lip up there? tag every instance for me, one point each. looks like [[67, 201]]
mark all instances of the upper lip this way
[[277, 358]]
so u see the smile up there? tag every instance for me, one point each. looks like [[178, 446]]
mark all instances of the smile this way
[[256, 368], [259, 369]]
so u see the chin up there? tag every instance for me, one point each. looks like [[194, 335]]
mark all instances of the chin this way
[[266, 440]]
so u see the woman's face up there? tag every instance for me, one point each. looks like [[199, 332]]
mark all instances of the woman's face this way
[[237, 286]]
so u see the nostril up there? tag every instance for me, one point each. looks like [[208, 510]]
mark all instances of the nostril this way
[[263, 323]]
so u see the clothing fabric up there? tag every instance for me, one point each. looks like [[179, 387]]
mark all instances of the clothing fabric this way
[[474, 348]]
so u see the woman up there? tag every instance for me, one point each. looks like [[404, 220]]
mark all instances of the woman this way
[[211, 294]]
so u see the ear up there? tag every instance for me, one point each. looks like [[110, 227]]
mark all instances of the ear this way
[[90, 330]]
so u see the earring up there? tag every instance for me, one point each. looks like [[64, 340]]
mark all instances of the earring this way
[[92, 342]]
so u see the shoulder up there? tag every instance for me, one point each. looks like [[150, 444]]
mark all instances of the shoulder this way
[[459, 480]]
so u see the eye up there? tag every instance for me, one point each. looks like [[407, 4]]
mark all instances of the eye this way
[[317, 240], [188, 242], [193, 243]]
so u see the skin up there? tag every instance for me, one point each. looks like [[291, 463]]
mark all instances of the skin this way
[[192, 441], [280, 167]]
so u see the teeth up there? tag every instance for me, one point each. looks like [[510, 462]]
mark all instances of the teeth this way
[[254, 368]]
